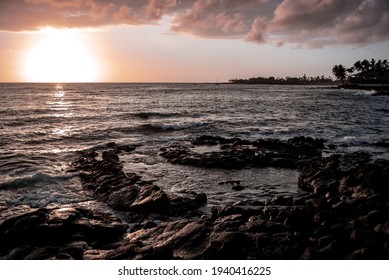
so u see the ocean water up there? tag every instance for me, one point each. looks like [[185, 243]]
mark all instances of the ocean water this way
[[42, 126]]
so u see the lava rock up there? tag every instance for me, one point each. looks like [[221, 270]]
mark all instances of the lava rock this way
[[48, 233]]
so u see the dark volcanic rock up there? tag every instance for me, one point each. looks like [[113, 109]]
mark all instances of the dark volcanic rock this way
[[52, 233], [351, 174], [151, 199], [237, 153], [340, 213], [128, 192]]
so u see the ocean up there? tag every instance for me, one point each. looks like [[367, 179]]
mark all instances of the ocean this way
[[44, 126]]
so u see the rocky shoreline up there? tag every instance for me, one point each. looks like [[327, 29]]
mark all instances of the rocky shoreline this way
[[341, 211]]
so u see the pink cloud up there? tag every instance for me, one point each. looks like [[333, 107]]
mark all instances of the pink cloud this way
[[313, 23], [217, 18], [155, 9], [258, 30]]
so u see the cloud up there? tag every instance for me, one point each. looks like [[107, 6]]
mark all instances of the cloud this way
[[327, 22], [18, 15], [312, 23], [217, 18], [258, 29], [367, 23]]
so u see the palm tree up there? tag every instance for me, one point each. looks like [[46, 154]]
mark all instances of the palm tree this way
[[365, 65], [379, 68], [358, 66], [350, 70], [339, 72], [372, 63]]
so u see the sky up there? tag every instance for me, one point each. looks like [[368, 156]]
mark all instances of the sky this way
[[186, 41]]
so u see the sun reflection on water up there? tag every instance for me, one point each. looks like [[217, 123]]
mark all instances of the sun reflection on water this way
[[62, 131], [59, 92], [60, 103]]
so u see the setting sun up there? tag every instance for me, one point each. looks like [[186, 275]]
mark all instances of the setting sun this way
[[61, 56]]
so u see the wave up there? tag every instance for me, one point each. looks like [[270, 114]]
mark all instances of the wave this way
[[147, 115], [11, 165], [36, 179], [364, 92], [355, 141], [3, 142], [31, 120], [349, 140], [16, 163], [160, 127], [105, 133], [384, 110]]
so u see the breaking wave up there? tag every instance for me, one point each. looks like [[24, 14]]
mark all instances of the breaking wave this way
[[36, 179], [147, 115], [160, 127]]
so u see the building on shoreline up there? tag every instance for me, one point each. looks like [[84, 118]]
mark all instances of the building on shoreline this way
[[369, 79]]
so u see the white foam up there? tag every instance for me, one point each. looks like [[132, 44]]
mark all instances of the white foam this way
[[349, 139], [176, 126]]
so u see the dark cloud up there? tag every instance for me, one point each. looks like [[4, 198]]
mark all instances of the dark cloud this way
[[313, 23], [320, 22], [369, 22]]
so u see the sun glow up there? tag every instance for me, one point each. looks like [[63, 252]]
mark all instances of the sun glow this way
[[61, 56]]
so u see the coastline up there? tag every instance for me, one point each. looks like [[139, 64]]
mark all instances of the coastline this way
[[339, 213], [380, 90]]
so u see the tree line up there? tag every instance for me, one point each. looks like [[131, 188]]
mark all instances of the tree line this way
[[304, 80], [373, 68]]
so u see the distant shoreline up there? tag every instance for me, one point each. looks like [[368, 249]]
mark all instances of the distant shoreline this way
[[304, 80]]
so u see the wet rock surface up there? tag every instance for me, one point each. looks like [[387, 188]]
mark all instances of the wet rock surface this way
[[59, 233], [341, 211], [129, 192], [237, 153]]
